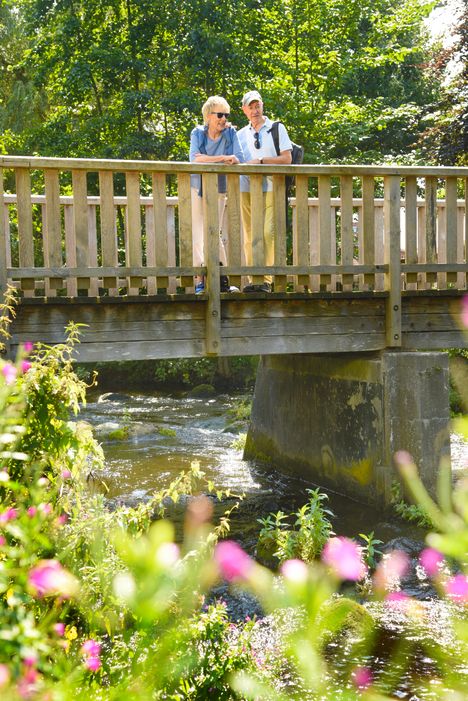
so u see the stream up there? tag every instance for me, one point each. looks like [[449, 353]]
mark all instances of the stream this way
[[149, 438]]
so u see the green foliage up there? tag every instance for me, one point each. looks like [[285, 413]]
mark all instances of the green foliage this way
[[305, 538], [410, 512], [239, 442], [127, 79], [370, 550]]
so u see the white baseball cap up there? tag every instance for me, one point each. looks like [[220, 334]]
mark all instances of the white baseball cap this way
[[251, 96]]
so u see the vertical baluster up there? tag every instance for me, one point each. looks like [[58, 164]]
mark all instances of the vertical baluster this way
[[234, 251], [392, 259], [109, 255], [257, 215], [171, 245], [431, 225], [211, 236], [25, 228], [133, 233], [185, 227], [421, 214], [333, 239], [314, 244], [160, 225], [411, 229], [301, 238], [52, 229], [70, 249], [379, 229], [324, 227], [441, 214], [360, 243], [80, 224], [466, 228], [93, 249], [151, 282], [461, 283], [347, 246], [368, 227], [451, 223]]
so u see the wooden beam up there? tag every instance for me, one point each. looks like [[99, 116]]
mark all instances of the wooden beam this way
[[211, 233]]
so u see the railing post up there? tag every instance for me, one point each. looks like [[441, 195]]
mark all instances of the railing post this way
[[211, 234], [3, 260], [392, 259]]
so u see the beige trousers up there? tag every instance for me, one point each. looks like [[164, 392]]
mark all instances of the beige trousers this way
[[197, 227], [268, 229]]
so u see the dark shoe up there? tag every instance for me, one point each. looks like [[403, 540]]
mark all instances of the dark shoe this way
[[224, 283], [264, 287]]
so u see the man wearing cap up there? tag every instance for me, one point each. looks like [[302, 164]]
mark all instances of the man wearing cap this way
[[258, 147]]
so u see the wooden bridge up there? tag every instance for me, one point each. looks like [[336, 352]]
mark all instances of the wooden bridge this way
[[377, 258]]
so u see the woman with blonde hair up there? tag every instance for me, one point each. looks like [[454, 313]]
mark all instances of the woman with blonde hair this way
[[213, 142]]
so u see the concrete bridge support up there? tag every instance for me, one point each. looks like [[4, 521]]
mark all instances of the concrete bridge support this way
[[338, 419]]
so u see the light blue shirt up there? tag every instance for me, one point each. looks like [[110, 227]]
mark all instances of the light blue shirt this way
[[267, 148], [227, 145]]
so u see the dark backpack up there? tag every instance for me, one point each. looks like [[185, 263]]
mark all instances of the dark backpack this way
[[297, 154]]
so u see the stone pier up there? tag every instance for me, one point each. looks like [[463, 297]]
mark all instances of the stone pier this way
[[338, 419]]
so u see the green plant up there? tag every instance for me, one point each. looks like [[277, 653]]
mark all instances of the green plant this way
[[305, 538], [410, 512], [239, 442], [370, 551]]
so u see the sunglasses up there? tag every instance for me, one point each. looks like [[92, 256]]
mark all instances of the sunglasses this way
[[257, 140], [220, 115]]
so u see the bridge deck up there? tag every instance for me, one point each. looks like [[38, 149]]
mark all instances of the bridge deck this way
[[140, 328]]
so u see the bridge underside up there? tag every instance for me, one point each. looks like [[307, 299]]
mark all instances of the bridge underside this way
[[139, 328]]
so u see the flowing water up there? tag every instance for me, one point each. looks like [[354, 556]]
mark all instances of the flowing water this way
[[162, 434]]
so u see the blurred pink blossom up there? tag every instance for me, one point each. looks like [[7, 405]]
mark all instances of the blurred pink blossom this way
[[232, 561], [397, 597], [92, 663], [431, 560], [49, 578], [457, 588], [32, 511], [28, 346], [27, 683], [91, 648], [344, 557], [392, 567], [9, 371], [25, 366], [294, 571], [362, 677], [66, 474], [2, 541], [61, 520], [4, 675], [8, 515], [46, 508], [59, 628]]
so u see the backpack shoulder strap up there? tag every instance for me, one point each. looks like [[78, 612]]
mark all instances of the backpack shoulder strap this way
[[274, 131]]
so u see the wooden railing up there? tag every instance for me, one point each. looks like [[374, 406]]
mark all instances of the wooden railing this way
[[100, 227]]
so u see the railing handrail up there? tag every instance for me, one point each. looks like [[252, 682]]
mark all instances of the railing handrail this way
[[97, 164]]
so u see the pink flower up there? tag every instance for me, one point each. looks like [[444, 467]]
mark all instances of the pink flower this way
[[61, 520], [4, 675], [92, 663], [59, 628], [9, 371], [27, 683], [66, 474], [25, 365], [431, 560], [232, 561], [362, 677], [28, 346], [465, 311], [397, 597], [32, 511], [457, 588], [344, 557], [49, 578], [390, 570], [2, 541], [46, 508], [91, 648], [8, 515], [294, 571]]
